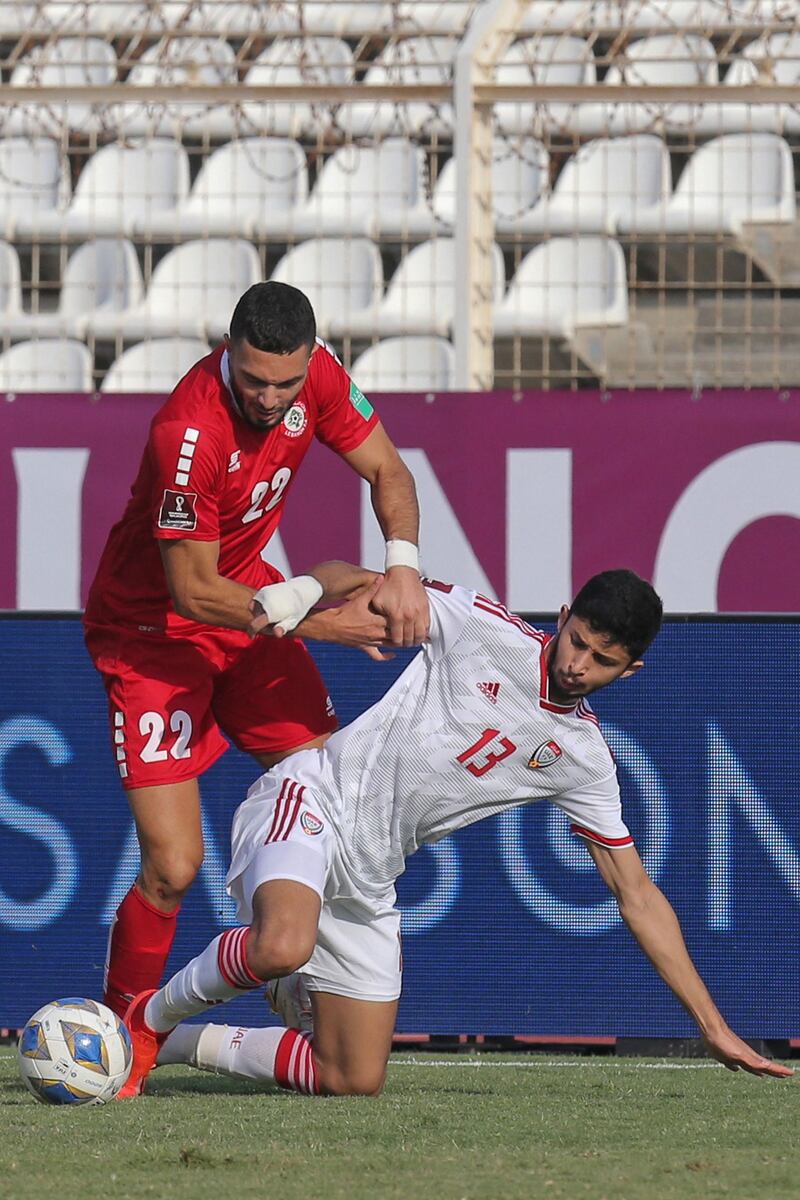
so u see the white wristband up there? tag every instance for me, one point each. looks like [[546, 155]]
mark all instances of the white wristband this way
[[287, 603], [401, 554]]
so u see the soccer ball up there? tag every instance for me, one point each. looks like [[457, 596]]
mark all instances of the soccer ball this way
[[74, 1051]]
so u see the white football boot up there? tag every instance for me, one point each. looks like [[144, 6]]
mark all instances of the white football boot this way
[[289, 999]]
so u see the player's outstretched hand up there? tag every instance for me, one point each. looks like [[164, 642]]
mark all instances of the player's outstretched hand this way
[[403, 602], [736, 1055]]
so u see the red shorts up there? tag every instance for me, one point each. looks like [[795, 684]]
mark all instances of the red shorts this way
[[170, 699]]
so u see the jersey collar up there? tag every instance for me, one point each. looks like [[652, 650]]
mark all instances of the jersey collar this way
[[544, 684]]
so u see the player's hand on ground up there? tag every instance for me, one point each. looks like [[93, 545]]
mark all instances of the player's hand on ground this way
[[736, 1055], [402, 600]]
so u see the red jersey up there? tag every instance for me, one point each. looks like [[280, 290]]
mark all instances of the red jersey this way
[[207, 475]]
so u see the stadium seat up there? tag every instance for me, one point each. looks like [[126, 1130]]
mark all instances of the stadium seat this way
[[343, 279], [732, 180], [542, 60], [296, 61], [520, 176], [560, 16], [10, 286], [768, 60], [248, 184], [435, 16], [227, 18], [192, 293], [672, 16], [123, 189], [418, 364], [154, 366], [421, 295], [17, 20], [606, 180], [172, 62], [34, 183], [336, 18], [102, 277], [369, 190], [102, 18], [415, 60], [49, 365], [672, 59], [62, 62], [564, 284]]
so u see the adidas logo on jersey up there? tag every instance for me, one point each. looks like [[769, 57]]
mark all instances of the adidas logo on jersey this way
[[490, 690]]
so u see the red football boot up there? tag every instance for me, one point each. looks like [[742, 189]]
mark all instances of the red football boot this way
[[146, 1045]]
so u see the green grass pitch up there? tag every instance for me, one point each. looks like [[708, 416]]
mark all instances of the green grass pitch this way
[[451, 1128]]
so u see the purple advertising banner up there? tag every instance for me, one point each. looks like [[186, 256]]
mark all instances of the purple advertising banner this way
[[522, 495]]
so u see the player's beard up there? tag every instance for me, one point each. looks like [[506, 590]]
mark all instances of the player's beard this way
[[260, 424]]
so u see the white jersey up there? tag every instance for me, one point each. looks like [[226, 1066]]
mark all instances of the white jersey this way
[[467, 731]]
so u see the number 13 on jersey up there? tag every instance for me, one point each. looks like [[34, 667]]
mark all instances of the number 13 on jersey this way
[[480, 757]]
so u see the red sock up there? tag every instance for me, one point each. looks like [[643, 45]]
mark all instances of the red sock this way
[[294, 1063], [139, 943]]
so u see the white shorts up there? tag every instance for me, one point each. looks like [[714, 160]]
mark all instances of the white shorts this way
[[283, 831]]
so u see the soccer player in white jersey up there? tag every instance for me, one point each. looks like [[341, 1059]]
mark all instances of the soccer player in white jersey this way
[[491, 714]]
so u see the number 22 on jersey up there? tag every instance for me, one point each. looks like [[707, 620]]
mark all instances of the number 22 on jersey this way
[[479, 758]]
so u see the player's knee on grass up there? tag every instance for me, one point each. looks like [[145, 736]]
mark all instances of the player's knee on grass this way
[[278, 948], [167, 877], [362, 1080]]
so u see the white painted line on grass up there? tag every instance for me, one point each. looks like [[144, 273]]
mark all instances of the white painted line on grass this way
[[657, 1066]]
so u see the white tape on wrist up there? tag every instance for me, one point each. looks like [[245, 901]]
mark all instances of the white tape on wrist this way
[[401, 554], [287, 603]]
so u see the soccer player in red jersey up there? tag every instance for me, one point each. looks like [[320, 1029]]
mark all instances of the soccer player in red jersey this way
[[178, 582]]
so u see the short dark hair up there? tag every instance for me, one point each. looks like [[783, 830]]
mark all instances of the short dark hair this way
[[621, 605], [274, 317]]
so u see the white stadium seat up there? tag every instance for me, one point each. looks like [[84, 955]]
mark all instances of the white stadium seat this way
[[154, 366], [298, 61], [102, 18], [122, 189], [730, 181], [10, 286], [367, 190], [415, 60], [562, 285], [418, 364], [49, 365], [172, 62], [520, 176], [608, 180], [192, 293], [63, 62], [542, 60], [436, 16], [420, 297], [342, 277], [251, 184], [34, 183], [337, 18], [768, 60], [102, 277], [19, 19], [672, 59]]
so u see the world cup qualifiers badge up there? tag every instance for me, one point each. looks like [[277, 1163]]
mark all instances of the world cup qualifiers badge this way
[[545, 755], [295, 420]]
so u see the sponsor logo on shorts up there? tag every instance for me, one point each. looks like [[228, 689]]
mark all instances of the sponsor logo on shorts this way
[[545, 755], [310, 823], [330, 711], [178, 510], [295, 420]]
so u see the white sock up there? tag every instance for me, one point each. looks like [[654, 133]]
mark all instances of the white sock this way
[[271, 1055], [181, 1046], [220, 972]]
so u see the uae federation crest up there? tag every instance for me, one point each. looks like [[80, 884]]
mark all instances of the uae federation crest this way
[[544, 755]]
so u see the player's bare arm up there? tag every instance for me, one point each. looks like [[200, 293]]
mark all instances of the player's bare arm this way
[[402, 597], [198, 591], [652, 921]]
